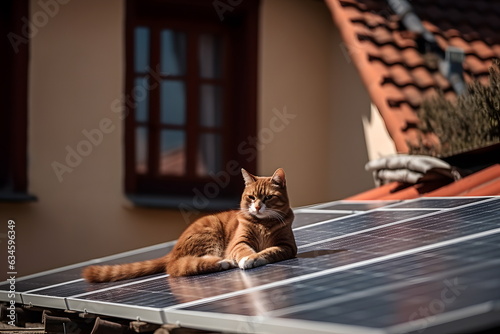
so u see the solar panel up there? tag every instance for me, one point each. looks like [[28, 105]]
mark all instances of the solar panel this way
[[384, 267], [351, 205], [442, 203], [306, 217], [67, 277]]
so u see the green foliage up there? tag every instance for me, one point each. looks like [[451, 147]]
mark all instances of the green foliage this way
[[470, 122]]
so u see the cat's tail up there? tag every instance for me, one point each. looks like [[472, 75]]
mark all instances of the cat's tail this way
[[110, 273]]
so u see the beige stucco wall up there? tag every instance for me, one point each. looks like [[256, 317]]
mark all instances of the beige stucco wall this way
[[350, 105], [304, 68], [295, 61], [310, 123], [76, 73]]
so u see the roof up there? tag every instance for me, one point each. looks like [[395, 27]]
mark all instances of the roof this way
[[472, 173], [485, 182], [397, 76]]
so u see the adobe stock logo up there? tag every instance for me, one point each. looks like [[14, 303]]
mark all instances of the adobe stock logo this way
[[426, 314], [96, 136], [221, 6], [84, 148], [247, 150], [39, 19]]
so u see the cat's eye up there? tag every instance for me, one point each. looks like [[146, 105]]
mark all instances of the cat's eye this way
[[268, 197], [251, 197]]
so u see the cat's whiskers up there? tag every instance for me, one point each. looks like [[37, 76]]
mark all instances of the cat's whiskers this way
[[268, 213], [278, 215]]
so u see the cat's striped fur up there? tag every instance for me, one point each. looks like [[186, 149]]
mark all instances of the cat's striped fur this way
[[257, 234]]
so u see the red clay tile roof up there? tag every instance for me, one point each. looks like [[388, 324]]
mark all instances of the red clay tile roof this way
[[483, 183], [398, 77]]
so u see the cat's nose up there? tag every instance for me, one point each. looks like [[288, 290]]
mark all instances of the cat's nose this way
[[257, 207]]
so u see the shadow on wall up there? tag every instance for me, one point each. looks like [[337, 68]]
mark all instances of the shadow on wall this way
[[350, 105]]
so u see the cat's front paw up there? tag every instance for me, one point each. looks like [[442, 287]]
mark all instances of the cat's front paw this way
[[251, 262], [227, 264]]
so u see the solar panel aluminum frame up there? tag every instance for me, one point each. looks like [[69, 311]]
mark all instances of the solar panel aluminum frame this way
[[350, 206], [19, 294], [455, 321], [330, 215], [45, 301], [95, 261], [4, 296], [139, 313], [211, 321], [406, 204], [259, 324], [30, 297], [142, 313], [310, 210]]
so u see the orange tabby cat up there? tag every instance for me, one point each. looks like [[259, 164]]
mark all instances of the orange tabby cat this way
[[257, 234]]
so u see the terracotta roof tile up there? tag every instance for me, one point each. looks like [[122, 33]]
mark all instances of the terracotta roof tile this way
[[476, 66], [403, 41], [386, 56], [491, 189], [482, 167], [396, 73], [378, 192], [482, 50], [423, 77], [407, 193], [443, 42], [441, 81], [448, 31], [412, 58], [482, 183], [477, 183], [496, 49], [408, 114], [413, 96]]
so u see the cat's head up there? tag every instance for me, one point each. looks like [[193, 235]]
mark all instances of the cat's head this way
[[265, 197]]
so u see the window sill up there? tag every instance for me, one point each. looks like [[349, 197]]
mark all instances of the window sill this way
[[11, 197], [186, 203]]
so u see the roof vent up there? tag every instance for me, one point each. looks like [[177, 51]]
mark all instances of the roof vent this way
[[450, 61], [410, 19], [451, 67]]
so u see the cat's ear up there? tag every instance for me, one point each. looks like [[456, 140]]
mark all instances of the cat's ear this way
[[249, 178], [279, 177]]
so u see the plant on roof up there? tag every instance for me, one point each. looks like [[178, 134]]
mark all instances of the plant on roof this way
[[470, 122]]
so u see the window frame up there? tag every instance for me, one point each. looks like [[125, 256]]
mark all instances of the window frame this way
[[14, 54], [239, 24]]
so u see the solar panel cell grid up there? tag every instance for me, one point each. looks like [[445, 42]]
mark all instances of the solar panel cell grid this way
[[44, 281], [352, 206], [305, 218], [416, 278], [400, 304], [79, 287], [355, 223], [373, 269], [434, 203], [188, 289], [74, 272]]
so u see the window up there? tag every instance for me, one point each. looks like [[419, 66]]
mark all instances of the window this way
[[191, 88], [14, 54]]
